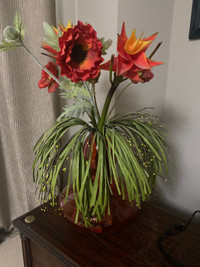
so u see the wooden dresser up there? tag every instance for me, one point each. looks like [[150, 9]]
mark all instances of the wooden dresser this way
[[51, 241]]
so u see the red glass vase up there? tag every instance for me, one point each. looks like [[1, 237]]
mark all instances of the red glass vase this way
[[121, 211]]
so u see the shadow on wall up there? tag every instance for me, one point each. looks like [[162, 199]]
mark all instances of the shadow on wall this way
[[177, 123], [174, 119]]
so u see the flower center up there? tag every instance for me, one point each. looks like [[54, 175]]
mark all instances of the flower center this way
[[78, 55]]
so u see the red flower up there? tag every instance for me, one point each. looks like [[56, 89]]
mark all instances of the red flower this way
[[131, 61], [47, 80], [80, 53]]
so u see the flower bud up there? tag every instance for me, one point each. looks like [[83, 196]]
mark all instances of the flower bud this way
[[107, 44], [11, 34]]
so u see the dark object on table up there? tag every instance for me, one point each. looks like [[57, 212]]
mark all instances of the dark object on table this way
[[174, 230]]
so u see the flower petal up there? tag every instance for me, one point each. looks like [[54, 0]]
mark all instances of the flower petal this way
[[106, 66], [49, 49], [134, 45], [153, 63], [123, 65], [150, 38], [141, 62], [52, 88], [43, 83], [134, 77], [123, 32]]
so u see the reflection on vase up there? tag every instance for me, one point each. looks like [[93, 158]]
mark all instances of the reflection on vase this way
[[121, 211]]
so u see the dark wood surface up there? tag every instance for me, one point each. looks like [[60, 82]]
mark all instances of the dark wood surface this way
[[52, 241]]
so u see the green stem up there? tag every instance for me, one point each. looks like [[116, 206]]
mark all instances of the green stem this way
[[89, 92], [95, 102], [105, 107], [154, 51], [111, 67], [92, 117], [44, 68], [118, 98], [116, 82]]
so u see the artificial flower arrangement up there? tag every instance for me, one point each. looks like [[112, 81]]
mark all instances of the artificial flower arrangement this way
[[120, 155]]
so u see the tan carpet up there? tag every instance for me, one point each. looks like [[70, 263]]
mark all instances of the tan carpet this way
[[11, 252]]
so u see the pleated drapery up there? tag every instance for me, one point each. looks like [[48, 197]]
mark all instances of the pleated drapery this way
[[25, 110]]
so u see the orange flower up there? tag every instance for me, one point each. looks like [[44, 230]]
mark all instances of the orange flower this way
[[131, 61]]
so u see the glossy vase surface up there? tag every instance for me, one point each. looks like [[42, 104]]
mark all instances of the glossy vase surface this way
[[121, 211]]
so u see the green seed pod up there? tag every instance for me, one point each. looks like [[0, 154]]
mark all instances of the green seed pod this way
[[11, 34]]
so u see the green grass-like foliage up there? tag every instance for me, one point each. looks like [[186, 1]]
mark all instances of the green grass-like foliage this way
[[131, 154]]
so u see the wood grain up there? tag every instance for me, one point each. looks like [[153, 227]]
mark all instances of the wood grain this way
[[132, 245]]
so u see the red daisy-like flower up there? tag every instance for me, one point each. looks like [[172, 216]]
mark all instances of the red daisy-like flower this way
[[48, 81], [80, 53]]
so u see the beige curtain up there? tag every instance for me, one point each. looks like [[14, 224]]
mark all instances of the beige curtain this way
[[25, 110]]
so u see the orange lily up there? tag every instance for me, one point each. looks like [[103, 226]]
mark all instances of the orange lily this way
[[131, 61]]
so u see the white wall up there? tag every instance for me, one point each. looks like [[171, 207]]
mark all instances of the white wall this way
[[182, 112], [175, 87]]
